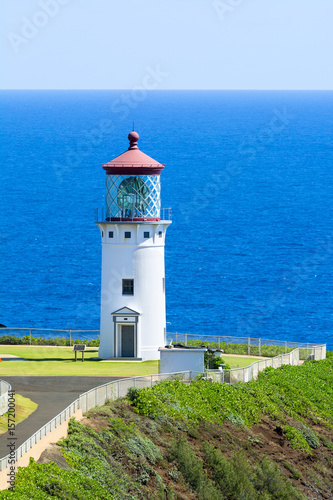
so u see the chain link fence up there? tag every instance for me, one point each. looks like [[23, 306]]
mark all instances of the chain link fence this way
[[28, 334], [241, 345], [230, 344]]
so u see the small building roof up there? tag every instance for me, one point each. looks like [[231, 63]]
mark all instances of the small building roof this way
[[133, 161]]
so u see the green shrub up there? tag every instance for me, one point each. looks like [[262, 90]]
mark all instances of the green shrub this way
[[296, 438], [309, 436], [54, 341], [132, 393], [44, 481], [192, 470], [10, 340], [237, 479], [326, 442], [232, 482]]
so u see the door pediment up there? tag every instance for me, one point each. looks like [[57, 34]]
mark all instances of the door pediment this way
[[125, 311]]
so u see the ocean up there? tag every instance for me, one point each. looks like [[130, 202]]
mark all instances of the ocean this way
[[248, 176]]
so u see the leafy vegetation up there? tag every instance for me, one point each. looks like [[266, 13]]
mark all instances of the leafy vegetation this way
[[269, 439], [56, 341], [285, 391]]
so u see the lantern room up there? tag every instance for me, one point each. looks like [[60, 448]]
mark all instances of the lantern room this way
[[133, 188]]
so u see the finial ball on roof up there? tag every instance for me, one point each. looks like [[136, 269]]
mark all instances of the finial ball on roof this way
[[133, 136]]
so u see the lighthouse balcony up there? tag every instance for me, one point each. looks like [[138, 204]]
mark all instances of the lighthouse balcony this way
[[102, 215]]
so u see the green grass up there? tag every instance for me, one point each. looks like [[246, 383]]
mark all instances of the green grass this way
[[23, 408], [50, 360], [235, 362]]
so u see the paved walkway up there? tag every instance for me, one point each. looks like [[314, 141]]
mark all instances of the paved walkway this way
[[52, 394]]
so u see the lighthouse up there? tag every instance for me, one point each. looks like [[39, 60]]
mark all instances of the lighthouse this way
[[133, 228]]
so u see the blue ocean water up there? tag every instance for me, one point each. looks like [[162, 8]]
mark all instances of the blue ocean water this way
[[248, 176]]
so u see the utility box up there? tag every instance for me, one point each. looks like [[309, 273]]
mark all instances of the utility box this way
[[176, 359]]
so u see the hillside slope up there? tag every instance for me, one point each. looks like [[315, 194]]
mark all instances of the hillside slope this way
[[268, 439]]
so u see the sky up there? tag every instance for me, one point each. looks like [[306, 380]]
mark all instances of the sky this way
[[166, 44]]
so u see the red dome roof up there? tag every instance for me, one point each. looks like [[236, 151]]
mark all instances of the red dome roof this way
[[133, 161]]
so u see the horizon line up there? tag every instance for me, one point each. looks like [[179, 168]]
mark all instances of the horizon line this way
[[172, 90]]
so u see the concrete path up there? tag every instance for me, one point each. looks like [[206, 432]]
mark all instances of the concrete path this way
[[52, 394]]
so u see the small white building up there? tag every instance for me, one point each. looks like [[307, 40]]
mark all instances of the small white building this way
[[133, 227], [181, 360]]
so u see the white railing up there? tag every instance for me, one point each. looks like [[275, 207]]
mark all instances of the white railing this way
[[118, 388], [250, 372], [5, 388]]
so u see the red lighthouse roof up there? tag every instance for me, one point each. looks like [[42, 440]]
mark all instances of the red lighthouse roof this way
[[133, 161]]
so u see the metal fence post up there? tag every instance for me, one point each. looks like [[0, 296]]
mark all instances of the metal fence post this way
[[30, 335], [176, 338], [185, 338], [248, 345], [285, 347], [259, 346], [219, 341], [70, 337]]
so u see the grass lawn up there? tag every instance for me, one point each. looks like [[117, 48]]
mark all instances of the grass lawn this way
[[49, 360], [23, 408]]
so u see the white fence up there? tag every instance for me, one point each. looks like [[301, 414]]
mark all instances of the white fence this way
[[249, 345], [118, 388], [4, 389]]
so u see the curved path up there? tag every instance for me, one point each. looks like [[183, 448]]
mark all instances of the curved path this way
[[52, 394]]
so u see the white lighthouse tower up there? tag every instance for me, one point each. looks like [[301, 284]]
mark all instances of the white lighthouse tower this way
[[133, 321]]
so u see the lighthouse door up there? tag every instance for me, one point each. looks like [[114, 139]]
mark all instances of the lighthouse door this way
[[127, 341]]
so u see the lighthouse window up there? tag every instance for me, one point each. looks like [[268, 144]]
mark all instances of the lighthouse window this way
[[127, 234], [102, 234], [160, 234], [128, 287], [146, 234], [110, 234]]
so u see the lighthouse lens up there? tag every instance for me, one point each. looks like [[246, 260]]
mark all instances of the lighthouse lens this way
[[133, 197]]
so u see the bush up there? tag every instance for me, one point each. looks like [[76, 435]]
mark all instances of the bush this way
[[296, 438], [236, 479], [54, 341], [192, 470], [10, 340], [132, 393]]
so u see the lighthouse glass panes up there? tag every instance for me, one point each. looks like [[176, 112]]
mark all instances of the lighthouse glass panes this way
[[132, 196]]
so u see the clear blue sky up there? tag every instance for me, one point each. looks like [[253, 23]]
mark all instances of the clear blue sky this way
[[166, 44]]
